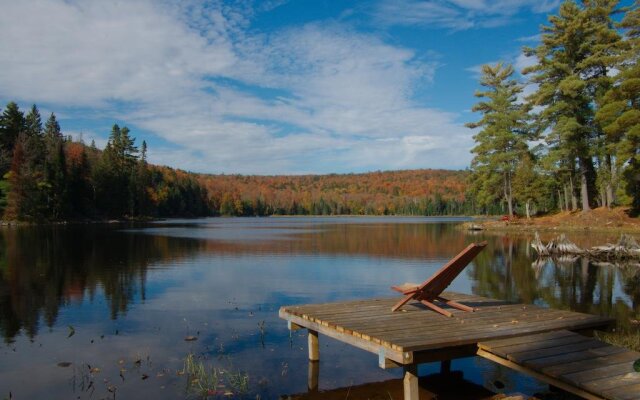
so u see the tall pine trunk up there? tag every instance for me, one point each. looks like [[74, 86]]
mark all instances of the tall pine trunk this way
[[560, 201], [574, 199], [584, 188], [612, 177], [508, 195]]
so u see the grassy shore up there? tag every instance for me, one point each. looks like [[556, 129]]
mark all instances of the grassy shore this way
[[597, 220]]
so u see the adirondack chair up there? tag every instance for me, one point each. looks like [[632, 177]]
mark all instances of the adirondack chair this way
[[429, 291]]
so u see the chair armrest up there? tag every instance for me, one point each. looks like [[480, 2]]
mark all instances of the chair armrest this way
[[406, 288]]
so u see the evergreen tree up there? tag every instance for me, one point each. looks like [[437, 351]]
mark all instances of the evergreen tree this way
[[34, 146], [530, 186], [577, 52], [501, 143], [114, 175], [55, 169], [605, 49], [11, 124], [28, 188], [78, 191], [620, 111]]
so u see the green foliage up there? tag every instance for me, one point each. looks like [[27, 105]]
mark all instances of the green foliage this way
[[11, 124], [578, 50], [620, 111], [53, 178], [586, 111], [501, 144]]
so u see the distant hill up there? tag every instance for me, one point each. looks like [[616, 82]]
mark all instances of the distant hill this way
[[409, 192]]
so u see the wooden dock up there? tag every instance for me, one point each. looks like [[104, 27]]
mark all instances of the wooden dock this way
[[416, 335], [575, 363]]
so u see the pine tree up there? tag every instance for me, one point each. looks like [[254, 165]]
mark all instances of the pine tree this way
[[55, 169], [620, 111], [11, 124], [501, 143], [141, 183], [605, 50], [28, 188], [114, 175], [575, 58], [530, 186]]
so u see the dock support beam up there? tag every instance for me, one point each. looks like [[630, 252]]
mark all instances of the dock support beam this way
[[313, 375], [314, 348], [410, 382]]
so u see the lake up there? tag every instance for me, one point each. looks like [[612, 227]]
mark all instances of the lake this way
[[112, 311]]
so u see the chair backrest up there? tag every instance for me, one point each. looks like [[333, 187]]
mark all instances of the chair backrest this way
[[439, 281]]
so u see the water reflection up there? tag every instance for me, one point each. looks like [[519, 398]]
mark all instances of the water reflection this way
[[511, 271], [43, 269], [132, 294]]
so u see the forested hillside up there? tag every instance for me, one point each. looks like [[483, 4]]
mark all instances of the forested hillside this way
[[50, 177], [574, 142], [415, 192]]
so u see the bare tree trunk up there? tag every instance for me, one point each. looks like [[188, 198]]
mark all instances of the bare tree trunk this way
[[566, 197], [560, 201], [574, 199], [610, 195], [507, 194], [584, 190], [527, 208]]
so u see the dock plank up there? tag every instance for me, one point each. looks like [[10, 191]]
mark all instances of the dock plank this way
[[416, 328], [584, 365]]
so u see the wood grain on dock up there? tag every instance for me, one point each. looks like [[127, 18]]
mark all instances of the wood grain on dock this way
[[404, 336], [579, 364]]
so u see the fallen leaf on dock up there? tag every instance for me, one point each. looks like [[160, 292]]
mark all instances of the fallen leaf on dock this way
[[64, 364], [190, 338]]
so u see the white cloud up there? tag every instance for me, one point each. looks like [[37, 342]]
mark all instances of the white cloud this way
[[533, 38], [456, 14], [91, 52], [336, 100], [522, 61]]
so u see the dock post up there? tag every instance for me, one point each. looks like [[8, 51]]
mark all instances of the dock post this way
[[410, 382], [314, 348], [313, 375]]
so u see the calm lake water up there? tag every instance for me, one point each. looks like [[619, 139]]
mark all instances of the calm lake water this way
[[103, 311]]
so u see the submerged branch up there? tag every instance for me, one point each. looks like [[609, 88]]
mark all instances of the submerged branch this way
[[626, 247]]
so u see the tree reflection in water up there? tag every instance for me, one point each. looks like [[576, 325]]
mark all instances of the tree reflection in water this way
[[222, 277], [43, 269], [509, 271]]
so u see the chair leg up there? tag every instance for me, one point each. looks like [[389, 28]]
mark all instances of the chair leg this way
[[455, 304], [436, 308], [402, 302]]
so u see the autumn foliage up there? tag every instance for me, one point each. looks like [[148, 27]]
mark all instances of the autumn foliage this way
[[411, 192], [50, 177]]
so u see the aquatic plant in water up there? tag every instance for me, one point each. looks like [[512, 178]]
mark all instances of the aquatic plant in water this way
[[207, 381]]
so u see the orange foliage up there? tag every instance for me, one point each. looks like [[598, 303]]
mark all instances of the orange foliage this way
[[388, 192]]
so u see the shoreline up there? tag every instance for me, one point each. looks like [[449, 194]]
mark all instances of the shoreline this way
[[615, 220]]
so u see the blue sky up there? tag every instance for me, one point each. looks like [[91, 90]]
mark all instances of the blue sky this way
[[266, 87]]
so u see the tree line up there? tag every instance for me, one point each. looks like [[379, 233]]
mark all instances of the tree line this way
[[410, 192], [49, 177], [574, 142]]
